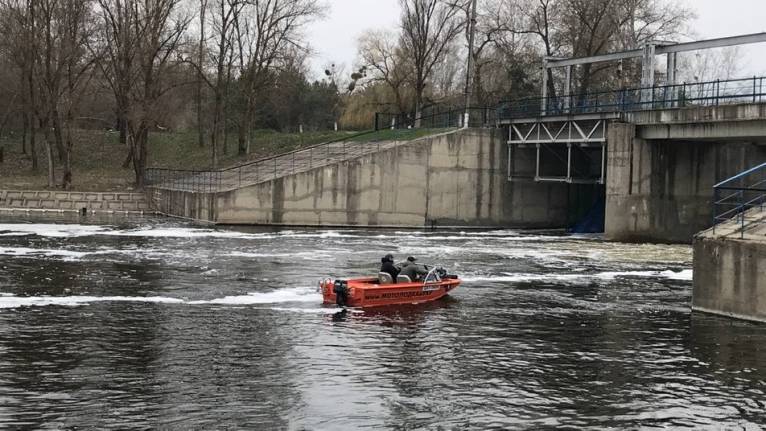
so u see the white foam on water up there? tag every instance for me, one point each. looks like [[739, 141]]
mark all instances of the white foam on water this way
[[512, 238], [181, 232], [50, 230], [685, 275], [24, 251], [289, 295], [77, 230], [73, 255], [314, 254], [73, 301], [296, 294]]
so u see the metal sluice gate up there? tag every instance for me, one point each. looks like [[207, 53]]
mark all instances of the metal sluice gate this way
[[563, 150]]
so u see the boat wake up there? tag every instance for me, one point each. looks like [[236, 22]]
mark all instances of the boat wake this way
[[282, 296]]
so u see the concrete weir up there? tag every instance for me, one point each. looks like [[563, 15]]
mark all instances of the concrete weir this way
[[452, 179]]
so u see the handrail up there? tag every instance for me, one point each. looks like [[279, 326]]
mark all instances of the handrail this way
[[745, 199], [310, 147], [740, 175], [628, 89], [751, 90]]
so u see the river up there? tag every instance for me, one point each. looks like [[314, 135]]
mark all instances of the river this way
[[162, 325]]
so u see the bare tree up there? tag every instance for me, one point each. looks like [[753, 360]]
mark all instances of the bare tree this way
[[428, 29], [53, 33], [142, 38], [225, 15], [200, 75], [18, 45], [266, 32], [382, 54]]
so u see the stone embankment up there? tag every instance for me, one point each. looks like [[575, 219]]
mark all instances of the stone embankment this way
[[65, 201]]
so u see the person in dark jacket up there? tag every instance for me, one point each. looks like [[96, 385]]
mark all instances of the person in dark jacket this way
[[412, 270], [387, 266]]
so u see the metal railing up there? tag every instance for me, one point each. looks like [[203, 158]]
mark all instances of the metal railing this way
[[713, 93], [438, 118], [737, 198]]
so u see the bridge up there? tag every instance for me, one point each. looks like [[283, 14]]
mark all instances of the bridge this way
[[649, 154]]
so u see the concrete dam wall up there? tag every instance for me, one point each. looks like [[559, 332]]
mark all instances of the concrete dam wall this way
[[453, 179]]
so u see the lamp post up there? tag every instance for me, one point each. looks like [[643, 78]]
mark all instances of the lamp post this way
[[470, 65]]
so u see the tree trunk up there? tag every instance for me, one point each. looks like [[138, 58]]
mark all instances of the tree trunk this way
[[244, 129], [584, 85], [217, 125], [224, 115], [241, 137], [24, 132], [122, 126], [201, 54], [49, 153], [58, 136], [51, 168], [419, 106], [139, 143], [33, 143], [66, 180]]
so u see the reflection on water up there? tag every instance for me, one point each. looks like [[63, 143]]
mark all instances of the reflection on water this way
[[162, 325]]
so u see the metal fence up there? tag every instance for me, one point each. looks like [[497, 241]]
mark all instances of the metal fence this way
[[440, 118], [736, 199], [711, 93]]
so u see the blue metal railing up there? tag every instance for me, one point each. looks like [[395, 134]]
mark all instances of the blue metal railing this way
[[713, 93], [735, 197]]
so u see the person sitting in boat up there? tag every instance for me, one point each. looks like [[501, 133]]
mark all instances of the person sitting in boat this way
[[413, 270], [387, 266]]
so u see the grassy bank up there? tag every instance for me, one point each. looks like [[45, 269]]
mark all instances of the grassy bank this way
[[98, 156]]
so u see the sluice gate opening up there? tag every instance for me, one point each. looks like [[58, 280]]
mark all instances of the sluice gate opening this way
[[571, 151]]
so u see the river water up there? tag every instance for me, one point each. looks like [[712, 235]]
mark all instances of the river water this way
[[162, 325]]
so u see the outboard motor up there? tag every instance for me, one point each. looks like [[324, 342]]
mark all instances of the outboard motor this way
[[341, 292]]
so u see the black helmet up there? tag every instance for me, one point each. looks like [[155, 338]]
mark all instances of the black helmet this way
[[389, 257], [411, 259]]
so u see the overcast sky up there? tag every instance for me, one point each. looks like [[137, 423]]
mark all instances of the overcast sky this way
[[334, 38]]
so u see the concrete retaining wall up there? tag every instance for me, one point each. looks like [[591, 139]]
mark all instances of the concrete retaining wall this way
[[730, 277], [455, 179], [73, 201], [195, 206], [661, 190]]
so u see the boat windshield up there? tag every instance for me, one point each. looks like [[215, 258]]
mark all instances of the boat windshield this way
[[432, 277]]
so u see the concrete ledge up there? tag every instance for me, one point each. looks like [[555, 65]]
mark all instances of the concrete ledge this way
[[72, 201], [729, 277], [71, 211], [729, 314], [698, 114]]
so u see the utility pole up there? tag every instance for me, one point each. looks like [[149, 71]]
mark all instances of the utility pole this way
[[470, 66]]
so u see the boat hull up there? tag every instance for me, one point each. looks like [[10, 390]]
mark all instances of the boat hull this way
[[366, 292]]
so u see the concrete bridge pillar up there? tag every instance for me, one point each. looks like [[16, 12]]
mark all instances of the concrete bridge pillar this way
[[660, 190]]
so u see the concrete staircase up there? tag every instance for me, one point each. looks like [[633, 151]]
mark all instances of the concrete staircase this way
[[751, 225]]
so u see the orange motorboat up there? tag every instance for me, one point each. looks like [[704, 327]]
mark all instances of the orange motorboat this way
[[381, 291]]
